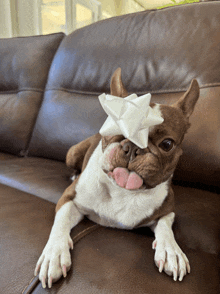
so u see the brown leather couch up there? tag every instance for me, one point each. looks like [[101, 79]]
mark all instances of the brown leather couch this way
[[48, 102]]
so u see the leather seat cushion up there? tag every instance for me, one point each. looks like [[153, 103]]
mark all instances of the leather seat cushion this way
[[25, 223], [109, 260], [41, 177]]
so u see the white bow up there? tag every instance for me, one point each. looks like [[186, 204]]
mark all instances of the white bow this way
[[130, 116]]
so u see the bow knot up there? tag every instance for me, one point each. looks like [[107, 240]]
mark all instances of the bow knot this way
[[131, 117]]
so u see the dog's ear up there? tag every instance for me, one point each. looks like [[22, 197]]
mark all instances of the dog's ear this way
[[117, 88], [189, 99]]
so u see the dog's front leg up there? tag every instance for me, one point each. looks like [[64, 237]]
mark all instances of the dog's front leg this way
[[168, 255], [55, 259]]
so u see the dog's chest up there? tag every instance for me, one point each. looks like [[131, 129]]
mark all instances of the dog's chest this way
[[104, 202]]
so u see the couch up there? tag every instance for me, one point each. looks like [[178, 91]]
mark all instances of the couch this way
[[48, 102]]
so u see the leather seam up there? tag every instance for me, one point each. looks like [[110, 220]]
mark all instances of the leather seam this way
[[35, 281], [84, 233], [22, 90], [203, 86]]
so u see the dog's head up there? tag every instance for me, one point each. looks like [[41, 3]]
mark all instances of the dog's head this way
[[134, 168]]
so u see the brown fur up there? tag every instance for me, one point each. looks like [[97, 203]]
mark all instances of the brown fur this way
[[79, 154], [68, 195], [116, 85]]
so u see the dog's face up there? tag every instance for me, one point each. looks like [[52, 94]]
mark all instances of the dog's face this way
[[135, 168]]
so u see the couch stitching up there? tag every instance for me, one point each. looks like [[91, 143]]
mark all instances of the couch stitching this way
[[85, 232], [203, 86], [32, 286], [98, 93], [21, 90]]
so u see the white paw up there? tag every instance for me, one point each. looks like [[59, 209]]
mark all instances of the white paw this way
[[170, 258], [55, 260]]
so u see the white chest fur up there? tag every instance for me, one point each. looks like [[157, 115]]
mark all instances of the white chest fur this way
[[104, 202]]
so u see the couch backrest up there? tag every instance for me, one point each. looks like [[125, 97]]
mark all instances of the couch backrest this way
[[159, 52], [24, 67]]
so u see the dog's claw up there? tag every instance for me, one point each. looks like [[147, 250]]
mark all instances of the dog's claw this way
[[50, 282], [37, 270], [64, 271], [188, 267], [70, 243], [154, 245], [182, 273], [161, 264], [175, 274], [44, 282]]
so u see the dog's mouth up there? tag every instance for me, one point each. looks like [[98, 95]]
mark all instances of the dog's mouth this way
[[126, 179]]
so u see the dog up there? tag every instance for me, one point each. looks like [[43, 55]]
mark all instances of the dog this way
[[123, 186]]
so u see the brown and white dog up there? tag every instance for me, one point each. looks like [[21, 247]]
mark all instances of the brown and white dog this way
[[122, 186]]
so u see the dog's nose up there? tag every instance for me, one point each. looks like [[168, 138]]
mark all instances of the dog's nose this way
[[130, 150]]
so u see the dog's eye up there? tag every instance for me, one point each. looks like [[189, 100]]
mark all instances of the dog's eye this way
[[167, 144]]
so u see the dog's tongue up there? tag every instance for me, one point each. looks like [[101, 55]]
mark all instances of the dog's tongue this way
[[127, 180]]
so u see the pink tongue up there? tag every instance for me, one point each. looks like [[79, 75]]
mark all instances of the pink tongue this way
[[127, 180]]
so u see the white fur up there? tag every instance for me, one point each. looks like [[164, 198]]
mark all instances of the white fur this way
[[157, 111], [168, 256], [104, 202], [56, 252]]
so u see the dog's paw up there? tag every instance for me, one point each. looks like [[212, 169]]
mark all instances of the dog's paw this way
[[55, 260], [170, 258]]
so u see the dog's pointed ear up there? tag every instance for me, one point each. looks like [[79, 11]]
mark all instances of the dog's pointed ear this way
[[116, 87], [189, 99]]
